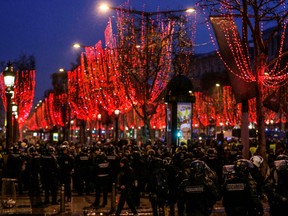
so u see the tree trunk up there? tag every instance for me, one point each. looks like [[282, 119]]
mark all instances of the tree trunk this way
[[260, 113]]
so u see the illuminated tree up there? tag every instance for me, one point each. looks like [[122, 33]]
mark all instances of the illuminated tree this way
[[147, 45], [263, 69], [24, 89], [102, 68]]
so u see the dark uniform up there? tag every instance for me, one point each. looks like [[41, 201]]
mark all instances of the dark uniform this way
[[102, 178], [158, 186], [33, 166], [66, 163], [126, 187], [198, 193], [276, 187], [14, 167], [82, 172], [138, 166], [50, 175], [240, 192]]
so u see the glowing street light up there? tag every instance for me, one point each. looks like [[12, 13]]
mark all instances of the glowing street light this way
[[99, 125], [15, 123], [116, 112], [9, 79]]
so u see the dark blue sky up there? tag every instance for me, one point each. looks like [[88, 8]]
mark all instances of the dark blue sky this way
[[48, 28]]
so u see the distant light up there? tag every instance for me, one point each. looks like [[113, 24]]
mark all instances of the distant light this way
[[104, 7], [117, 112], [76, 45], [61, 70], [217, 84], [190, 10]]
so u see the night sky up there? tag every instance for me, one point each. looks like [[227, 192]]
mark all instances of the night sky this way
[[47, 29]]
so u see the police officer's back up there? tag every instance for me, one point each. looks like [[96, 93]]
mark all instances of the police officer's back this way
[[198, 193], [102, 176], [276, 187], [240, 192], [66, 163], [50, 174], [82, 171]]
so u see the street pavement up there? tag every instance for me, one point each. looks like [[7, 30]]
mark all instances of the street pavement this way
[[80, 206]]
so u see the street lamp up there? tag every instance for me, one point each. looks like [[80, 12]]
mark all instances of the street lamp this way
[[9, 79], [99, 125], [78, 46], [116, 112], [15, 123], [66, 112]]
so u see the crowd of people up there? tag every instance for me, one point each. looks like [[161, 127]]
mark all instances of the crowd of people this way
[[190, 178]]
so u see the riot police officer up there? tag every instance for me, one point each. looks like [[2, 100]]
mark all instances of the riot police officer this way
[[126, 183], [101, 173], [34, 165], [198, 193], [82, 171], [50, 174], [240, 192], [14, 166], [276, 187], [66, 163], [158, 185]]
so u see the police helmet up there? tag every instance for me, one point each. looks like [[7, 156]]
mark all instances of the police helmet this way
[[282, 157], [197, 166], [31, 149], [242, 167], [257, 160], [51, 150], [124, 161], [84, 150], [15, 149], [281, 165]]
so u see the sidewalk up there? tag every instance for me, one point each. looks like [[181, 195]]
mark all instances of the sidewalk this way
[[80, 206]]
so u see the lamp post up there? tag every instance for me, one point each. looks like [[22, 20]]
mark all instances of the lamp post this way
[[66, 112], [9, 79], [15, 123], [99, 125], [116, 112]]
